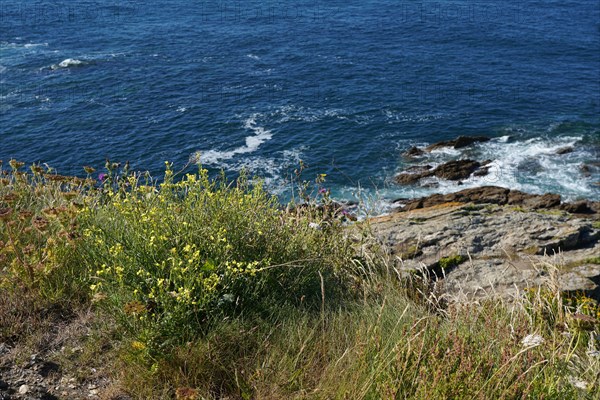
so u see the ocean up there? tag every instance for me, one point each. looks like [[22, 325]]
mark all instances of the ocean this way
[[343, 86]]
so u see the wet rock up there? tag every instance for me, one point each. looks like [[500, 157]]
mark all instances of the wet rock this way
[[565, 150], [458, 143], [414, 152], [456, 170], [409, 179], [3, 385], [418, 169], [453, 171], [413, 174], [585, 170]]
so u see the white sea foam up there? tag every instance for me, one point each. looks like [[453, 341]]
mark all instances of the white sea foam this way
[[12, 45], [530, 165], [31, 45], [273, 170], [252, 143], [393, 116], [68, 63], [252, 56], [306, 114]]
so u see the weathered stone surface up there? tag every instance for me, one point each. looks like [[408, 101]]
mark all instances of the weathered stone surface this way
[[496, 195], [459, 142], [505, 249], [548, 200], [579, 207]]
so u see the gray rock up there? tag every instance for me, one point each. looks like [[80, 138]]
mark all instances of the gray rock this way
[[504, 247], [23, 389]]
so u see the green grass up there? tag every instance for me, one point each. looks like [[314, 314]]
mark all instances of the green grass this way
[[200, 288], [592, 260]]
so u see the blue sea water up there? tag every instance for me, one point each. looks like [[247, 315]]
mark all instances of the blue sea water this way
[[345, 86]]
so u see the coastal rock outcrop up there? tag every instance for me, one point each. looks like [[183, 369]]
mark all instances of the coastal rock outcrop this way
[[455, 170], [458, 143], [502, 196], [414, 152], [475, 244]]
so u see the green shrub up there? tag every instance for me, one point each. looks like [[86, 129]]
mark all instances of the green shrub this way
[[170, 260]]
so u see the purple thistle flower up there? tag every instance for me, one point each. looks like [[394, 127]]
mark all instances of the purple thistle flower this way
[[322, 191], [102, 176]]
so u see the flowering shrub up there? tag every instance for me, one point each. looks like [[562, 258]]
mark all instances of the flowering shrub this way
[[187, 252]]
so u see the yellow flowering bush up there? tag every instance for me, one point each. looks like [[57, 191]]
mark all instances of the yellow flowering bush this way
[[198, 249]]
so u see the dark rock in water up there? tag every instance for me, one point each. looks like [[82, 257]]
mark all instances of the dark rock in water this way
[[458, 143], [483, 171], [456, 170], [413, 174], [453, 171], [409, 179], [585, 170], [565, 150], [464, 141], [415, 169], [414, 152]]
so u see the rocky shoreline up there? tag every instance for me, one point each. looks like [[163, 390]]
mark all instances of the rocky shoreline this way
[[492, 241], [489, 240], [458, 170]]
